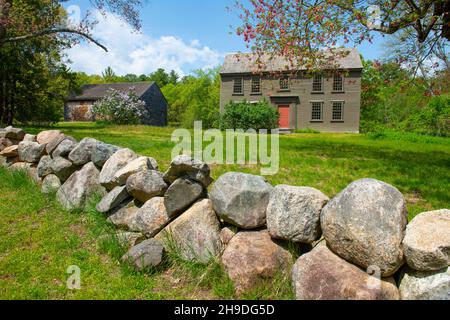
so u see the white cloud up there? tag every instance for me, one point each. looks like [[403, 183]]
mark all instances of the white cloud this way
[[138, 53]]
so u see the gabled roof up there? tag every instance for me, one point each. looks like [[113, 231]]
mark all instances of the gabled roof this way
[[92, 92], [246, 62]]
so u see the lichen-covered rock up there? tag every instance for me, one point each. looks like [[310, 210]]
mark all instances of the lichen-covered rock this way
[[145, 185], [10, 161], [32, 174], [427, 241], [113, 199], [152, 217], [322, 275], [14, 133], [195, 234], [148, 253], [30, 138], [45, 137], [64, 148], [30, 151], [102, 152], [53, 144], [425, 285], [226, 234], [4, 162], [135, 166], [10, 152], [252, 256], [20, 166], [185, 165], [181, 194], [293, 213], [45, 166], [82, 153], [116, 162], [125, 217], [63, 168], [365, 224], [50, 184], [241, 199], [10, 142], [81, 185]]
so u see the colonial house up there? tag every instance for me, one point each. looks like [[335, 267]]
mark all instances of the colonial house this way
[[324, 101], [78, 107]]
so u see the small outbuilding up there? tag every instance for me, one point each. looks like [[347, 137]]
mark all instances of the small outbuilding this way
[[78, 107]]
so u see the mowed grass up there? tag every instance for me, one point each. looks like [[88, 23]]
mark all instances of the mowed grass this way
[[419, 166], [39, 240]]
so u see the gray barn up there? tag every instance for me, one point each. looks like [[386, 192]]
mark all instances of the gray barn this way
[[79, 107]]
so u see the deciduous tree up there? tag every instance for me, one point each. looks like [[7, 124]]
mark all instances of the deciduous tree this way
[[300, 30]]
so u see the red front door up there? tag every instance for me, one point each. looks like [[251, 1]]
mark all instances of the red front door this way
[[284, 116]]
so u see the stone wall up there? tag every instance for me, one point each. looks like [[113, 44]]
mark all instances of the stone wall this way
[[357, 245]]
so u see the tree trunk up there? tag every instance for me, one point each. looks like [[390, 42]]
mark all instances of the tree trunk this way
[[5, 6]]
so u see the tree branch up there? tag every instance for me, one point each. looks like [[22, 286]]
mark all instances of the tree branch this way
[[53, 31]]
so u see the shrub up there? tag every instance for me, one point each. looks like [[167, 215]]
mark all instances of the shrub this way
[[434, 119], [120, 107], [245, 115], [306, 130]]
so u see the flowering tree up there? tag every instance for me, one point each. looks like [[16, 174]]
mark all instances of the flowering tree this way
[[22, 20], [299, 30], [120, 107]]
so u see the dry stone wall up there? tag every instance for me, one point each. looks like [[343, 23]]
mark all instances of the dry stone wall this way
[[357, 245]]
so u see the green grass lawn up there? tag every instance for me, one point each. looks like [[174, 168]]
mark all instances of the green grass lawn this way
[[39, 240], [418, 166]]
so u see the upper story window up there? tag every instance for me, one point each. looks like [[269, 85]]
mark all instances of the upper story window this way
[[317, 85], [338, 83], [256, 85], [284, 83], [338, 110], [316, 110], [238, 86]]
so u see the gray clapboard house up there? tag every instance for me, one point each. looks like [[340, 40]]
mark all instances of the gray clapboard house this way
[[324, 101], [78, 107]]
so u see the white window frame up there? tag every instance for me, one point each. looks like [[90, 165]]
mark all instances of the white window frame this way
[[342, 83], [342, 110], [242, 86], [260, 83], [312, 102], [321, 83]]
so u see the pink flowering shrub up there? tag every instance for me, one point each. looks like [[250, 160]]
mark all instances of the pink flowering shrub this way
[[120, 107]]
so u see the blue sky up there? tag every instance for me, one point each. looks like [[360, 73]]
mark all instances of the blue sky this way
[[176, 34]]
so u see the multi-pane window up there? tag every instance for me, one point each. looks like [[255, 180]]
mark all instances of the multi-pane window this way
[[316, 110], [317, 85], [338, 83], [338, 110], [284, 83], [256, 85], [238, 86]]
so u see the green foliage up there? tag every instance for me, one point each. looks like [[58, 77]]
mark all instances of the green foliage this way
[[108, 75], [195, 98], [33, 77], [245, 115], [120, 108], [433, 119], [307, 130], [393, 100]]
